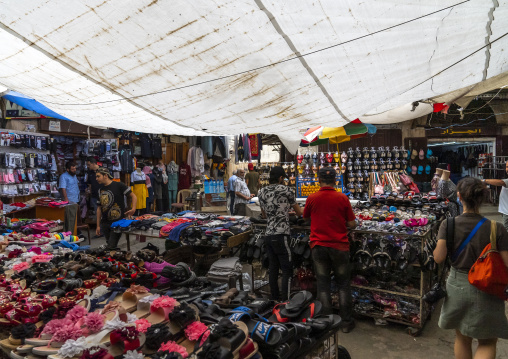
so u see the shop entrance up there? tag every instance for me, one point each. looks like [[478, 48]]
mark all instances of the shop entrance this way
[[462, 154]]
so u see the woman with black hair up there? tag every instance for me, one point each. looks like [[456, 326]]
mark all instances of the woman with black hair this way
[[471, 312]]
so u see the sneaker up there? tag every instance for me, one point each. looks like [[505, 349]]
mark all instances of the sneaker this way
[[348, 326]]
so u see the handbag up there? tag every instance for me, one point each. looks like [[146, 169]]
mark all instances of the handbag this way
[[489, 273], [378, 188]]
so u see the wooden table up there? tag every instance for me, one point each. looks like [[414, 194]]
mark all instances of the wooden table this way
[[53, 214]]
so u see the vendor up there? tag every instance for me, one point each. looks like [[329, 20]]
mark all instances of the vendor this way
[[276, 200], [68, 183], [503, 197], [242, 194], [331, 216], [112, 206]]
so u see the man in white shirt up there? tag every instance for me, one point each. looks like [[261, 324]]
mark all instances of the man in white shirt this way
[[503, 197], [242, 194]]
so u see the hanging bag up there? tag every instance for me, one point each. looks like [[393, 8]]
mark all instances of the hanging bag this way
[[387, 187], [489, 273], [378, 188]]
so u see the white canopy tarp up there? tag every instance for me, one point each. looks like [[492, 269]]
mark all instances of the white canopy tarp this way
[[183, 67]]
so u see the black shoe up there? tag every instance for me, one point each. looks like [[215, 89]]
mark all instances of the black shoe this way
[[348, 326]]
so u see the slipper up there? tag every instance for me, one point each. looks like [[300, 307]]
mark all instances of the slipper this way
[[286, 350], [298, 302], [421, 155], [311, 311], [420, 170], [160, 309], [322, 323], [266, 333], [414, 170], [231, 336], [429, 153], [414, 154], [130, 298], [427, 169], [408, 169]]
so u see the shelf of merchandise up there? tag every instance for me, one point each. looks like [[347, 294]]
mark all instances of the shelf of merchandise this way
[[313, 181], [426, 282]]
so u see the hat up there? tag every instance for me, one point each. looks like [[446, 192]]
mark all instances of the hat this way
[[251, 167], [327, 173], [277, 172], [104, 171]]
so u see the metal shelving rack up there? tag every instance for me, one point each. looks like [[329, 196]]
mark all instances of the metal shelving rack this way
[[495, 163], [426, 282]]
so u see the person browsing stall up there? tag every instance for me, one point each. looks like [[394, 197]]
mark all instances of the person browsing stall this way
[[231, 192], [252, 180], [68, 183], [242, 194], [112, 206], [503, 197], [331, 216], [91, 181], [471, 312], [276, 200]]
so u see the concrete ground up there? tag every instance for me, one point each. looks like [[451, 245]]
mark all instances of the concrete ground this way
[[368, 340], [392, 342]]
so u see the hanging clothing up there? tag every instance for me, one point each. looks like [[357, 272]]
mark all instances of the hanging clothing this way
[[184, 176], [254, 146], [145, 142], [190, 157], [219, 147], [148, 172], [164, 205], [157, 147], [138, 187], [206, 145], [126, 159], [157, 185], [172, 183], [246, 148]]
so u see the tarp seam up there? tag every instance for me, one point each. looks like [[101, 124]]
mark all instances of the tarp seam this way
[[304, 63], [487, 38]]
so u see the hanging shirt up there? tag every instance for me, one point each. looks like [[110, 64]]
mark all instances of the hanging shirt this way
[[184, 177]]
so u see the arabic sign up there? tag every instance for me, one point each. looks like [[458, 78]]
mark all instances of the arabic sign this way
[[462, 131], [54, 126]]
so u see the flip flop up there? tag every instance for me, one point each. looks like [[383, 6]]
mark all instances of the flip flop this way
[[427, 169], [298, 302], [429, 153], [421, 155], [420, 170], [414, 154], [311, 311]]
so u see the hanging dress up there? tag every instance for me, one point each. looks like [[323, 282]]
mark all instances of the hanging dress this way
[[138, 187]]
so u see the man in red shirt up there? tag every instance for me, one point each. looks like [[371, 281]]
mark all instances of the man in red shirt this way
[[331, 216]]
